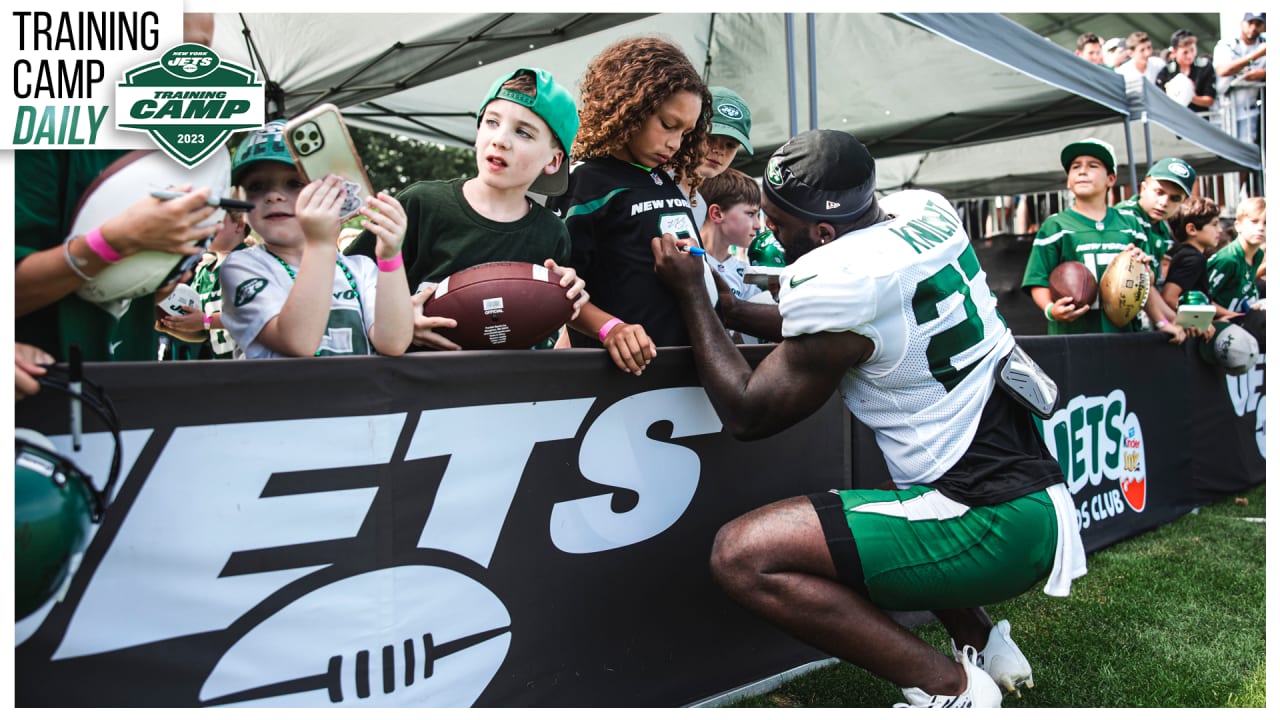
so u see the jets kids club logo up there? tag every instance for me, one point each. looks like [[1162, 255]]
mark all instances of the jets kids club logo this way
[[1098, 443], [189, 101]]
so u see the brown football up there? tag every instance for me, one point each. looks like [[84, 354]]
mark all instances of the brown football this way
[[500, 305], [1075, 280], [1124, 288]]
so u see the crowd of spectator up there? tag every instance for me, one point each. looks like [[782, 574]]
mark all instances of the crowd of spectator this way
[[1228, 85]]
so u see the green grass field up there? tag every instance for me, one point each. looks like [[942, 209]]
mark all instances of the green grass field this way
[[1172, 618]]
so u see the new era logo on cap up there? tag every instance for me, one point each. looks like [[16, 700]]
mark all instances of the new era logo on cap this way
[[832, 204]]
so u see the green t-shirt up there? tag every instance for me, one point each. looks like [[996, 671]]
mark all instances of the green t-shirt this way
[[1159, 237], [1232, 278], [1067, 236], [48, 187], [444, 234]]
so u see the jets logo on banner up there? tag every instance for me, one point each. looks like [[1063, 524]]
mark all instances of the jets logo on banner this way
[[189, 101]]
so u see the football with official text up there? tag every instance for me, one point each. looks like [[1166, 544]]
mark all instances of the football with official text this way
[[500, 305], [1124, 288], [1075, 280]]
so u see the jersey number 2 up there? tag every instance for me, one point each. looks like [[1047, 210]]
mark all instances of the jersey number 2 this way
[[949, 343]]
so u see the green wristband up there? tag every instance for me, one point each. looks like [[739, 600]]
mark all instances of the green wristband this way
[[1048, 311]]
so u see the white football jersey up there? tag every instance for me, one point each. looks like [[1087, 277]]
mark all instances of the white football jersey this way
[[913, 285]]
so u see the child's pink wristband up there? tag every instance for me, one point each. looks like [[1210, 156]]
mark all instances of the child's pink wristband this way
[[99, 246], [392, 264], [605, 328]]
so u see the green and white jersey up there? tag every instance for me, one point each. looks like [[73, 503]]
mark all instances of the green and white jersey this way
[[1159, 237], [1067, 236], [913, 285], [206, 283], [1233, 279], [257, 285]]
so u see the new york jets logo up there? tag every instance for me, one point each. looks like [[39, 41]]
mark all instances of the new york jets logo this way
[[774, 171], [189, 101], [729, 110], [249, 289], [1179, 169]]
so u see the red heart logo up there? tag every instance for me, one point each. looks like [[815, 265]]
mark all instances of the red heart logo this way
[[1135, 492]]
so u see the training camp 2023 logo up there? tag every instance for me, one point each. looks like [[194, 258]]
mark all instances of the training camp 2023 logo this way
[[189, 101]]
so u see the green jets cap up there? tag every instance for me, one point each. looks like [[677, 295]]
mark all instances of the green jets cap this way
[[1092, 147], [1176, 171], [265, 143], [730, 116], [554, 104]]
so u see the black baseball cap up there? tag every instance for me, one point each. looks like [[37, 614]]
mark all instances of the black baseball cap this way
[[822, 176]]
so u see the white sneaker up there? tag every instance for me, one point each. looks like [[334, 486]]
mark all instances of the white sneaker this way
[[981, 690], [1002, 660]]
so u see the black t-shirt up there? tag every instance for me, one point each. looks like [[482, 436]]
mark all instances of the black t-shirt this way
[[613, 210], [1202, 76], [1187, 268]]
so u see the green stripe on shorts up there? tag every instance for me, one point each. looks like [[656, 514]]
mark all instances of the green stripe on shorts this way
[[923, 551]]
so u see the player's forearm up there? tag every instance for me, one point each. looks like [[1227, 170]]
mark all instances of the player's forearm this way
[[759, 320], [725, 374]]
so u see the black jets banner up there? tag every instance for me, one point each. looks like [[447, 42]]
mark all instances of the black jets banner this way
[[1145, 430], [511, 529], [453, 529]]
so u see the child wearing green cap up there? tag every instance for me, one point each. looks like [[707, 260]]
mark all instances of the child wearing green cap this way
[[294, 295], [526, 125], [1090, 232], [1167, 185], [730, 132]]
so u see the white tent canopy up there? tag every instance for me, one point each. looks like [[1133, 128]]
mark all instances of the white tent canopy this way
[[967, 79], [348, 58], [946, 94], [1030, 165]]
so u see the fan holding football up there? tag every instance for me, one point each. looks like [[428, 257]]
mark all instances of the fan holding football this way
[[111, 241]]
